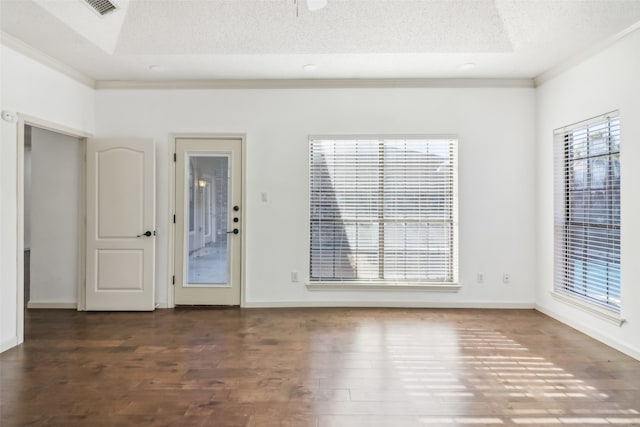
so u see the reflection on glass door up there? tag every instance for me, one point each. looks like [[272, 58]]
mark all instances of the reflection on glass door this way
[[207, 182]]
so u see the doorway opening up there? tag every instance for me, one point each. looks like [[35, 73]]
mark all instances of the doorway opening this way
[[50, 195], [53, 177]]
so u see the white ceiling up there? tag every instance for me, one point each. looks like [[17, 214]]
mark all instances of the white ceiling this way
[[349, 39]]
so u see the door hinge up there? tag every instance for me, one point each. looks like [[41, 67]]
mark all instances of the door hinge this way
[[173, 281], [174, 218], [175, 157]]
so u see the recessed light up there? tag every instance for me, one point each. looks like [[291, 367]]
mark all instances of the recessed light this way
[[468, 66], [155, 67], [310, 67]]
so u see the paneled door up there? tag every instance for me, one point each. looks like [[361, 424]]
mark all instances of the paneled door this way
[[120, 224], [208, 221]]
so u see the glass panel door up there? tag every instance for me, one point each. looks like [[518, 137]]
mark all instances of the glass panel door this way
[[207, 240], [208, 221]]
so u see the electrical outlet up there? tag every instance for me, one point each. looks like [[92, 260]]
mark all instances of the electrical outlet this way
[[294, 276], [480, 278], [506, 278]]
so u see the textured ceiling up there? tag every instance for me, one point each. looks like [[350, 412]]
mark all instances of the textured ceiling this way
[[273, 39], [347, 27]]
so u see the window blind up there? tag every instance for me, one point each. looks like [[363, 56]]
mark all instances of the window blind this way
[[587, 210], [383, 210]]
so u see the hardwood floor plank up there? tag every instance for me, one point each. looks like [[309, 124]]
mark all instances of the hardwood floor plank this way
[[313, 367]]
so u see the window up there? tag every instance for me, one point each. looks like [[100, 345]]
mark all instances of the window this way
[[587, 211], [383, 210]]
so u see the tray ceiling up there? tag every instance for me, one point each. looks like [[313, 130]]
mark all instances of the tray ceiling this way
[[349, 39]]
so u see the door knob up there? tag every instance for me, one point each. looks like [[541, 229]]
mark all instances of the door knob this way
[[234, 231], [146, 233]]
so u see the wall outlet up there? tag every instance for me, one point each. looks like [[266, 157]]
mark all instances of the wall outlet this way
[[506, 278], [294, 276], [480, 278]]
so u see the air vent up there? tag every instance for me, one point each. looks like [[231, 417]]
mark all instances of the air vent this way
[[101, 7]]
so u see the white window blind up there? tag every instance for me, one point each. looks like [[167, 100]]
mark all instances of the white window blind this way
[[383, 210], [587, 211]]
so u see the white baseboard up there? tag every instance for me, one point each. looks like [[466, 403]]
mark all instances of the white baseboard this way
[[7, 344], [50, 304], [624, 348], [70, 305], [387, 304]]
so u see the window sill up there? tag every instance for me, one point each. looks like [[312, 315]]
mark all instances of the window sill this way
[[369, 286], [600, 312]]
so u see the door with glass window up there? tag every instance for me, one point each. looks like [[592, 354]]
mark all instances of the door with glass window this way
[[208, 221]]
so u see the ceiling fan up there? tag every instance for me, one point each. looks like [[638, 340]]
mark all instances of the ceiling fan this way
[[314, 5]]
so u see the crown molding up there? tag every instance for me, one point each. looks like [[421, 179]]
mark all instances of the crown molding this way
[[382, 83], [313, 84], [582, 57], [42, 58], [37, 55]]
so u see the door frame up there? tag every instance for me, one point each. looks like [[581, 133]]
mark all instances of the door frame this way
[[26, 120], [171, 271]]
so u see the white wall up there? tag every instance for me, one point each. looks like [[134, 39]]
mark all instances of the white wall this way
[[608, 81], [496, 185], [30, 88], [55, 200]]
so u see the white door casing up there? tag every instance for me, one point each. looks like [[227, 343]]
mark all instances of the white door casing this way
[[226, 291], [120, 199]]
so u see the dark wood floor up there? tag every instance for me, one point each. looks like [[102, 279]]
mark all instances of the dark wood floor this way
[[313, 367]]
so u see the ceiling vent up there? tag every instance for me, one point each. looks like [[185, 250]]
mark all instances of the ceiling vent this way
[[101, 7]]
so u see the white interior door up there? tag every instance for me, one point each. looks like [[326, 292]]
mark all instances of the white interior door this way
[[208, 221], [120, 224]]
